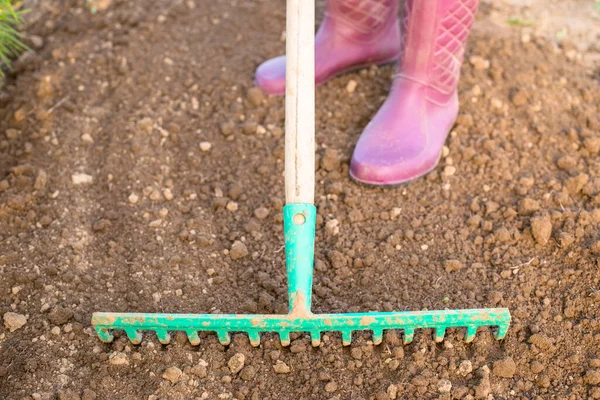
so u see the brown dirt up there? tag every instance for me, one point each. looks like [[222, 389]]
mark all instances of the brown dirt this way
[[124, 98]]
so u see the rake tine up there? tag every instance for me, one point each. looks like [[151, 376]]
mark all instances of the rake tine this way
[[104, 334], [501, 332], [439, 334], [346, 337], [193, 337], [409, 335], [254, 337], [284, 337], [471, 333], [134, 335], [377, 336], [224, 337], [315, 338], [163, 336]]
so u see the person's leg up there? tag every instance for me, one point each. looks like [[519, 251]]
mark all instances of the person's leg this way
[[404, 141], [353, 34]]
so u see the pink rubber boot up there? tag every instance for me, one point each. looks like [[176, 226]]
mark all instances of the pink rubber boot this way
[[404, 141], [353, 34]]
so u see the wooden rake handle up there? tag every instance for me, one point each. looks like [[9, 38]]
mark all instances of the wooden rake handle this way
[[300, 103]]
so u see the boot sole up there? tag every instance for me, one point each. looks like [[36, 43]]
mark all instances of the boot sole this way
[[343, 72], [359, 67], [393, 185]]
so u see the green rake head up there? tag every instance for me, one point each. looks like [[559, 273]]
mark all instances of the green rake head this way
[[299, 224]]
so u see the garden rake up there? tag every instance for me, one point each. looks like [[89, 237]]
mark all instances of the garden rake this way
[[299, 231]]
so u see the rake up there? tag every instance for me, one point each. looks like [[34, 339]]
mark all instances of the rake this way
[[299, 231]]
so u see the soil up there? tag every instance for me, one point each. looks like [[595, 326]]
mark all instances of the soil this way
[[568, 21], [134, 154]]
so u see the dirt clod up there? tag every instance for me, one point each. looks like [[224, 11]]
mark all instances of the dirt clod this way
[[528, 206], [205, 146], [200, 371], [592, 144], [536, 367], [479, 62], [541, 228], [575, 184], [81, 178], [465, 367], [356, 353], [236, 363], [444, 386], [255, 96], [566, 163], [519, 98], [332, 227], [543, 381], [227, 128], [261, 213], [392, 391], [118, 358], [14, 321], [60, 316], [68, 395], [41, 180], [453, 265], [298, 346], [381, 395], [331, 386], [168, 194], [232, 206], [541, 341], [566, 239], [592, 377], [238, 250], [248, 373], [351, 86], [484, 387], [172, 374], [12, 134], [505, 368], [449, 170], [330, 160], [249, 128], [281, 368], [89, 394]]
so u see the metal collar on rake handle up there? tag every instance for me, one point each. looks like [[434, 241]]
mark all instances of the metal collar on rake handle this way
[[299, 230]]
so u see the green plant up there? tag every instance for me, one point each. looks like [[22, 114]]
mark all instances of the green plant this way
[[519, 22], [10, 39]]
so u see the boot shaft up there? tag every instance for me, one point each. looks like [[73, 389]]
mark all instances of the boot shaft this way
[[363, 20], [433, 38]]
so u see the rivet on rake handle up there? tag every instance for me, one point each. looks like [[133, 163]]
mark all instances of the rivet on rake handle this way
[[299, 216]]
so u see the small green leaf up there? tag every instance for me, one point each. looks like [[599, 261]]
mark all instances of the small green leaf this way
[[561, 34], [519, 22]]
